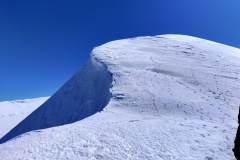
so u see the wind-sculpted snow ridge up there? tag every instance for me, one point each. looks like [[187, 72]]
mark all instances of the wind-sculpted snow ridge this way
[[83, 95], [173, 97]]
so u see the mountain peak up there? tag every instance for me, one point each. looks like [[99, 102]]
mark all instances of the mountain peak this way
[[176, 93]]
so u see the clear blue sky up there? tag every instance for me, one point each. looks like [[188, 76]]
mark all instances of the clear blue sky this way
[[44, 42]]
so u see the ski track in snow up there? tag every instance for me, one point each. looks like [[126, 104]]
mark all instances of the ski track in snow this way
[[173, 97]]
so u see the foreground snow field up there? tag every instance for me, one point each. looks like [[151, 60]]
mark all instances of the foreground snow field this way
[[13, 112], [172, 97]]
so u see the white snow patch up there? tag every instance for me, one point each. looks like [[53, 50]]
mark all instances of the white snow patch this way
[[13, 112]]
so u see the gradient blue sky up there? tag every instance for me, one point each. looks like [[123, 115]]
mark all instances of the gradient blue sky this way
[[44, 42]]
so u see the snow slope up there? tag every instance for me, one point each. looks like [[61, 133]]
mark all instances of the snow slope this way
[[173, 97], [13, 112]]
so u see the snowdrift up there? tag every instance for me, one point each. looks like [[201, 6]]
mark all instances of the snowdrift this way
[[163, 97]]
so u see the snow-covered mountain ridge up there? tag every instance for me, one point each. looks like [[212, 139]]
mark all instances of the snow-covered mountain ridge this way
[[172, 97], [172, 65]]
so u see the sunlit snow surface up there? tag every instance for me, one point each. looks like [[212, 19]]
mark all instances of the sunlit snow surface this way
[[13, 112], [173, 97]]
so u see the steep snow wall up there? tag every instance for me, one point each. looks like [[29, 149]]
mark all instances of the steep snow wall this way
[[86, 93]]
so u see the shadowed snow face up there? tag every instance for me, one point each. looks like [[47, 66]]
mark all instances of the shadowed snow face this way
[[85, 94]]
